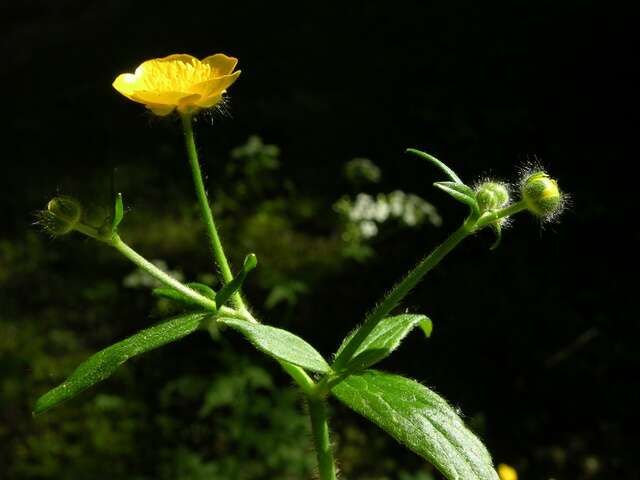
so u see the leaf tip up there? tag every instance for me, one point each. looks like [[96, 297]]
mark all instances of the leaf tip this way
[[426, 325], [250, 262], [41, 406], [118, 212]]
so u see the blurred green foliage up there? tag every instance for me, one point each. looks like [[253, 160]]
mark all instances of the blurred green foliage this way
[[200, 409]]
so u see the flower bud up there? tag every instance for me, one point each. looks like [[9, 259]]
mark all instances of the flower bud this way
[[61, 216], [66, 209], [542, 195], [507, 472], [492, 196]]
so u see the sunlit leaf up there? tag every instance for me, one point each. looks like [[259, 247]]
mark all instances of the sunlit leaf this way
[[461, 193], [450, 173], [101, 365], [279, 344], [383, 339], [427, 327], [420, 419]]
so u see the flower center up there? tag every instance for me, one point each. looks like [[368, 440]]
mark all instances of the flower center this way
[[173, 76]]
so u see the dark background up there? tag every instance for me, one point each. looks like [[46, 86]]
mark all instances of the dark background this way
[[536, 342]]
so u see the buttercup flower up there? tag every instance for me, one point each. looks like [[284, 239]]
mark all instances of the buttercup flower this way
[[179, 81]]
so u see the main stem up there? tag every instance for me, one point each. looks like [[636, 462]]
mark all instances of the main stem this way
[[321, 441], [317, 406], [205, 209]]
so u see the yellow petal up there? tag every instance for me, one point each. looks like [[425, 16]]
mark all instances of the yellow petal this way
[[221, 64], [126, 84], [161, 110], [209, 101], [178, 57], [215, 86], [189, 104], [163, 98]]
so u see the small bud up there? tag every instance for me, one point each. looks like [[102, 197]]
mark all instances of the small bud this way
[[61, 216], [542, 195], [492, 196], [65, 208], [507, 472]]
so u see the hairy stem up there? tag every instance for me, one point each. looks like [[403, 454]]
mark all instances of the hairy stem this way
[[488, 219], [400, 291], [205, 209], [158, 274], [321, 441]]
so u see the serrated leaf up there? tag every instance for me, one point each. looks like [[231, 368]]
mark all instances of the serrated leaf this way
[[118, 213], [279, 344], [461, 193], [420, 419], [250, 262], [441, 165], [176, 296], [383, 339], [101, 365]]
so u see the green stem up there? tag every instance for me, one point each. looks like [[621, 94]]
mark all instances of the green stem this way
[[89, 231], [400, 291], [490, 218], [321, 441], [207, 216], [158, 274]]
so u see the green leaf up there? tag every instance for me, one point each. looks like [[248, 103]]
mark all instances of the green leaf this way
[[176, 296], [118, 213], [461, 193], [101, 365], [383, 339], [450, 173], [420, 419], [279, 344], [427, 327], [234, 285]]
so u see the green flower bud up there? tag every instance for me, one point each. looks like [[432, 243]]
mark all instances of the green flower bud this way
[[61, 216], [66, 209], [492, 196], [542, 195]]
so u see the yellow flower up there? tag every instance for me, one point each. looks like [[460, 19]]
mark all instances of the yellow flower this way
[[506, 472], [179, 81]]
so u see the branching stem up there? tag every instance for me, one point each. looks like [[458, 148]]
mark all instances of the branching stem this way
[[488, 219], [158, 274], [400, 291]]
